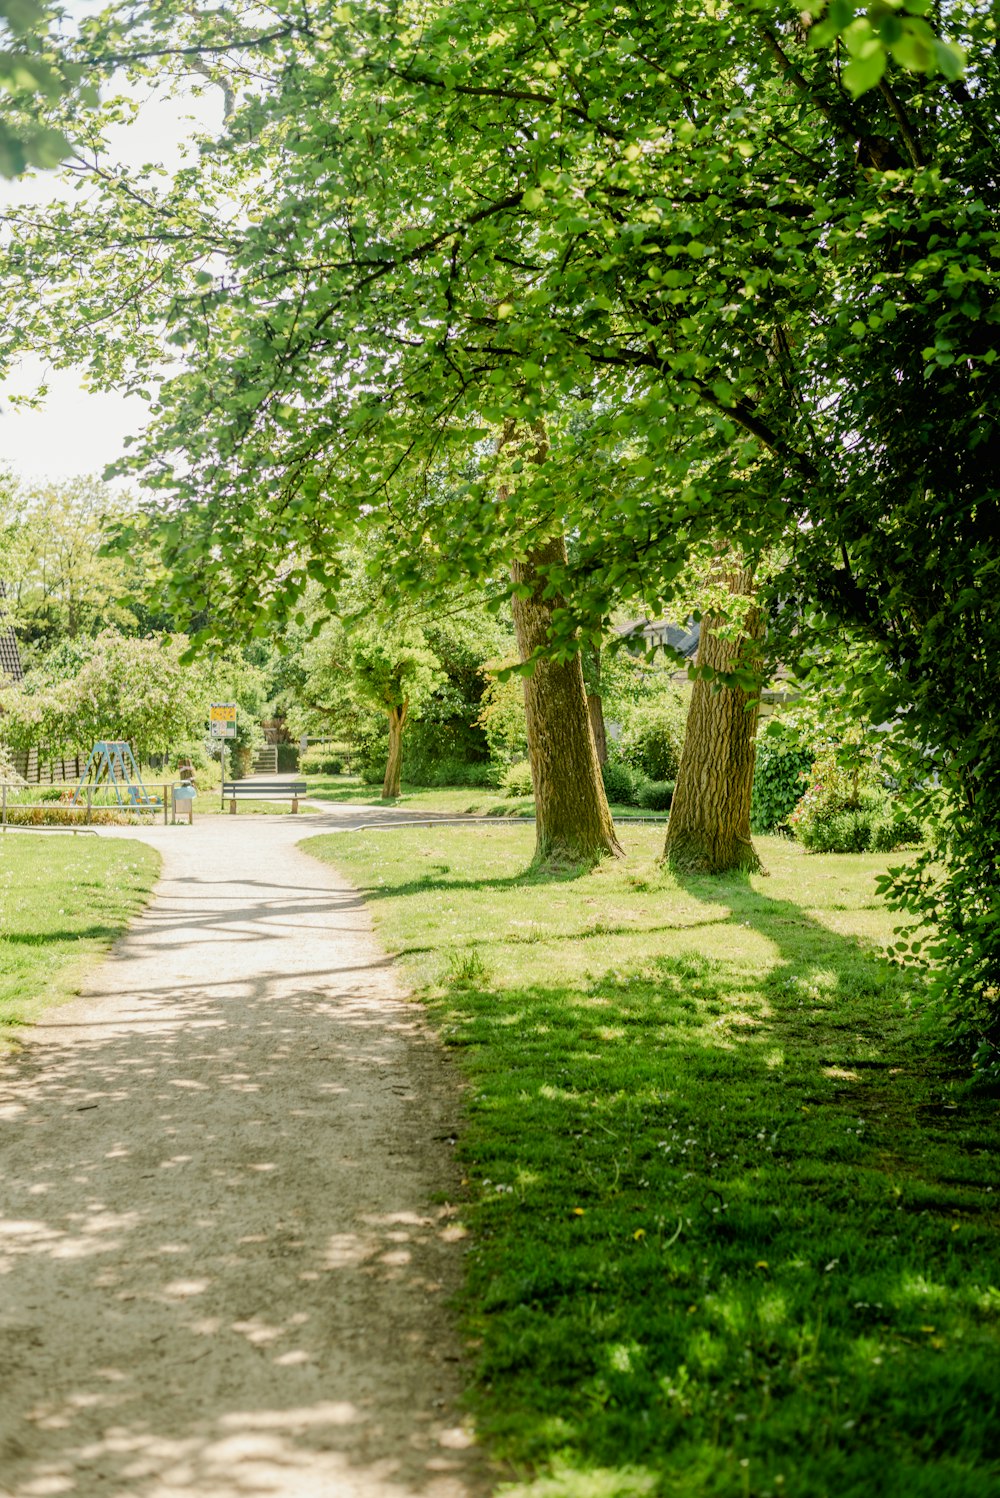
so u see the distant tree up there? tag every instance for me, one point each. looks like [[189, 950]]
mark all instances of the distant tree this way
[[395, 675], [62, 582], [127, 687]]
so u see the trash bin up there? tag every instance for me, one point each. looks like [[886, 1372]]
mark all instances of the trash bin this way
[[184, 796]]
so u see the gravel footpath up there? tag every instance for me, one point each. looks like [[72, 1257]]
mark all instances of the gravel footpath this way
[[222, 1268]]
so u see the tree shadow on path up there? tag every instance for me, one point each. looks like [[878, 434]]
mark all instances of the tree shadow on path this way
[[221, 1271]]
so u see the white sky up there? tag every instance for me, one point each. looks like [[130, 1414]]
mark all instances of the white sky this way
[[78, 431]]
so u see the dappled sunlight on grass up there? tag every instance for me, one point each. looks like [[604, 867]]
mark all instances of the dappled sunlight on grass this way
[[734, 1232]]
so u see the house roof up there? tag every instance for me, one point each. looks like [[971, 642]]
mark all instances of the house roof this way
[[682, 638], [10, 656]]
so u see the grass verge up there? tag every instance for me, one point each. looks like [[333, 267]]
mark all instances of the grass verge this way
[[734, 1228], [63, 901]]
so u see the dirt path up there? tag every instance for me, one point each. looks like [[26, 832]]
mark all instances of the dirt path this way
[[221, 1272]]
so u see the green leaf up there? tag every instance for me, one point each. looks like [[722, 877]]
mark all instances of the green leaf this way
[[915, 49], [47, 148], [864, 72], [950, 59]]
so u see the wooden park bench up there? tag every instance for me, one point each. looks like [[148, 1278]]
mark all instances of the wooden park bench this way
[[263, 790]]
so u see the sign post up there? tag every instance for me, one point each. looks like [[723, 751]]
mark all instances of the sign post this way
[[222, 726]]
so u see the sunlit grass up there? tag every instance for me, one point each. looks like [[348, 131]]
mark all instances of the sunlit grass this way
[[734, 1227], [471, 800], [462, 800], [63, 900]]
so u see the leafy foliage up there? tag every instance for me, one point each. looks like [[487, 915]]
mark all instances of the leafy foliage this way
[[621, 782], [655, 795], [743, 303], [321, 762], [62, 583], [516, 781], [131, 688], [782, 763], [847, 809], [30, 72], [653, 736]]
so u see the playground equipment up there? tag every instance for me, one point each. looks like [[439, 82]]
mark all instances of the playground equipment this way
[[112, 764]]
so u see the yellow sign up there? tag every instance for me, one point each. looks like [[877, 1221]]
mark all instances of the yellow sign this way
[[222, 720]]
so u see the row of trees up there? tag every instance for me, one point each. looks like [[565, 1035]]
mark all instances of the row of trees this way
[[105, 657]]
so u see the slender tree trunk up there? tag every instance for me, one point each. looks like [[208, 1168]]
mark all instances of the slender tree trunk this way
[[709, 827], [573, 823], [394, 764], [595, 708]]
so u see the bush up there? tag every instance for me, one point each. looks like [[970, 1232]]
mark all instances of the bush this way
[[288, 759], [781, 770], [195, 755], [840, 831], [847, 809], [316, 761], [450, 772], [516, 780], [653, 737], [893, 830], [656, 795], [621, 783]]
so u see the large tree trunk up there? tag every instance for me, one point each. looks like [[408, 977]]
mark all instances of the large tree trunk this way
[[394, 764], [573, 823], [709, 827]]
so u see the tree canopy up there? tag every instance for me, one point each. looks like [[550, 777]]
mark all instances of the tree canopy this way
[[738, 259]]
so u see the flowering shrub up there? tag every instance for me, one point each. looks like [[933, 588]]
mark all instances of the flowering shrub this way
[[847, 809]]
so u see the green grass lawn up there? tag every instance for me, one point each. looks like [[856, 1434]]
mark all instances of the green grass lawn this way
[[351, 789], [63, 900], [465, 800], [733, 1225]]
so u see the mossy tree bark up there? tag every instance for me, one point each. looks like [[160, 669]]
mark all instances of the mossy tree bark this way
[[573, 822], [394, 763], [709, 827]]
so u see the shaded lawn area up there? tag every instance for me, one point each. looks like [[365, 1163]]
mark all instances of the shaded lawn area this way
[[734, 1227], [63, 901]]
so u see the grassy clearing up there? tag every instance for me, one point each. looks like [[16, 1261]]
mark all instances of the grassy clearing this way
[[460, 799], [63, 901], [734, 1231], [473, 800]]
